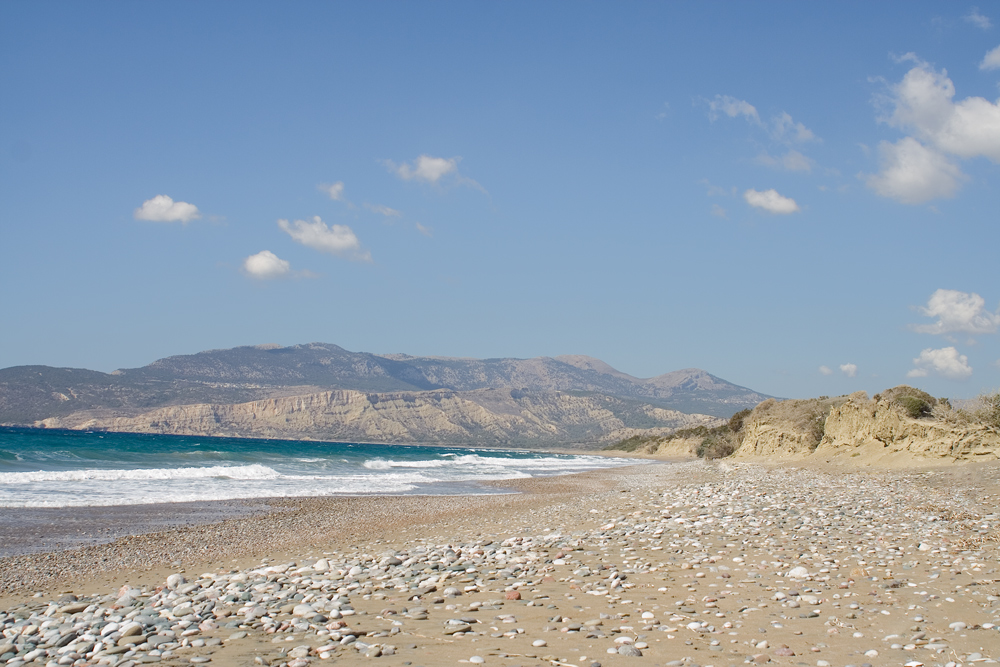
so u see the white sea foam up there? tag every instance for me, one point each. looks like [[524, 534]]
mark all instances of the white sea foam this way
[[555, 464]]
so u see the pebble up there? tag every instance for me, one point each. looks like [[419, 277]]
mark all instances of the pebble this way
[[834, 554]]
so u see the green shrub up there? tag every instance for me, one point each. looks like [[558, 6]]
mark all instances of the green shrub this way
[[914, 406], [737, 420], [630, 444], [817, 428], [718, 444], [914, 402], [693, 432]]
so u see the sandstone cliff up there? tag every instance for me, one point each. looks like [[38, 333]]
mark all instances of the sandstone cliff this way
[[487, 417], [877, 429], [858, 429], [784, 429]]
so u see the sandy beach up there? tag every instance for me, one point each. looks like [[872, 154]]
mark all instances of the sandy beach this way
[[672, 563]]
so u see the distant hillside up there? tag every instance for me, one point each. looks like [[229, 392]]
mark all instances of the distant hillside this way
[[488, 417], [32, 394]]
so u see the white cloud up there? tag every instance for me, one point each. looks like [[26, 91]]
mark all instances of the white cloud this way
[[383, 210], [825, 370], [335, 239], [946, 362], [334, 191], [850, 370], [977, 19], [426, 231], [991, 60], [958, 312], [265, 265], [718, 211], [770, 201], [425, 168], [162, 208], [924, 104], [918, 168], [783, 128], [732, 107], [911, 173]]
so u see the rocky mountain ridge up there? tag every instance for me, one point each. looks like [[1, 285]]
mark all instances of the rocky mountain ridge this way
[[486, 417], [537, 400]]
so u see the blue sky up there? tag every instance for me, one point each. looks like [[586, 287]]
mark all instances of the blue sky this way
[[798, 197]]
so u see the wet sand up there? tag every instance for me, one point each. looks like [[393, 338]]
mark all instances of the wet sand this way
[[41, 530]]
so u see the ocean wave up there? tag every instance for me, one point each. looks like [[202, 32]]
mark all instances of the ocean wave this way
[[474, 460], [250, 472]]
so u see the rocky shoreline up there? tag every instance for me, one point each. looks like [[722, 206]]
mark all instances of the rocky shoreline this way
[[680, 564]]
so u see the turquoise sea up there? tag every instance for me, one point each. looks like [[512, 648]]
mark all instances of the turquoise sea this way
[[55, 468]]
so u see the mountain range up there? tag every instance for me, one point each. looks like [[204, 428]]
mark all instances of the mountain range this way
[[394, 396]]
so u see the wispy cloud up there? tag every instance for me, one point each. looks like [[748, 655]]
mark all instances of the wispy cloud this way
[[825, 370], [782, 127], [433, 170], [771, 201], [426, 231], [791, 161], [716, 190], [732, 107], [991, 60], [383, 210], [334, 191], [265, 265], [977, 19], [337, 240], [425, 168], [786, 130], [162, 208]]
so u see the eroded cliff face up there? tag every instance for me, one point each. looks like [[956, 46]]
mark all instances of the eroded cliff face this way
[[783, 429], [879, 429], [861, 430], [478, 417]]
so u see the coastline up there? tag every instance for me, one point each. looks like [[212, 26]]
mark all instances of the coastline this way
[[644, 551], [132, 540]]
